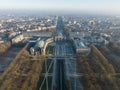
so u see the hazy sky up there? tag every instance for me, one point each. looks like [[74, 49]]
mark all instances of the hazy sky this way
[[66, 5]]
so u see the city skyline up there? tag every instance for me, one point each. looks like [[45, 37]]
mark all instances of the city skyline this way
[[59, 45], [93, 6]]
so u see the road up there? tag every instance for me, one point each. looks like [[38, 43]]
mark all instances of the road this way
[[66, 63], [63, 48], [61, 78], [65, 75]]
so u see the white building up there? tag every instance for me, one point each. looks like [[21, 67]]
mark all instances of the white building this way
[[41, 45], [80, 47], [17, 38], [32, 50]]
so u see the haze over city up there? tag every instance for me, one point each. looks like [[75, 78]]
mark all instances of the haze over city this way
[[85, 6], [59, 45]]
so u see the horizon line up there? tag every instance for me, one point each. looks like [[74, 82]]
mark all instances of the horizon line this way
[[60, 11]]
